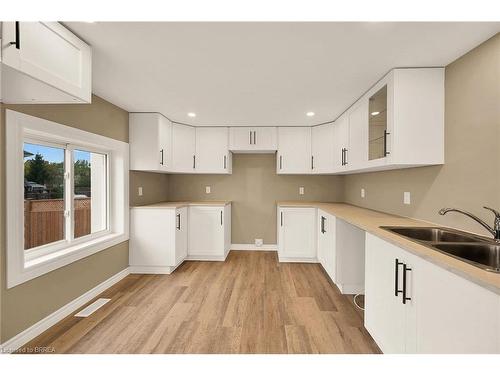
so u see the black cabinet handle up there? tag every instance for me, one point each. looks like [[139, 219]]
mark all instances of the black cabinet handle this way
[[345, 156], [397, 263], [17, 43], [194, 161], [385, 143], [224, 161], [312, 162], [342, 157], [323, 219], [255, 137], [281, 162], [161, 152], [221, 218], [178, 221], [405, 269], [281, 218]]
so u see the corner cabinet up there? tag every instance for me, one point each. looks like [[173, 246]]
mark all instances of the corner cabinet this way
[[253, 139], [183, 148], [209, 232], [294, 150], [297, 234], [323, 155], [44, 62], [158, 239], [414, 306]]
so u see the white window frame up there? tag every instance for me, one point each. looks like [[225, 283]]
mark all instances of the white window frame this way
[[24, 265]]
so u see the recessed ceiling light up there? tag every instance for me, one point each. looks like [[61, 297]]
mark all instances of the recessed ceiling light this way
[[191, 114], [375, 113], [310, 114]]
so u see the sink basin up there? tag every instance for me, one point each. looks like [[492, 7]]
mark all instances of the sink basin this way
[[486, 255], [430, 234]]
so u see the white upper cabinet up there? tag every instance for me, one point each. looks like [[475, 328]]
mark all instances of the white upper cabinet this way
[[183, 148], [212, 152], [322, 145], [253, 139], [294, 150], [150, 137], [43, 62], [356, 155], [340, 142]]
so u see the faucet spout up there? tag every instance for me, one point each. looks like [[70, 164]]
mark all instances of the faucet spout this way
[[495, 230]]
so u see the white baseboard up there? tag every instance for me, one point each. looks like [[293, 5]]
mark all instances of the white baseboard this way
[[351, 288], [297, 260], [252, 247], [154, 270], [36, 329], [206, 258]]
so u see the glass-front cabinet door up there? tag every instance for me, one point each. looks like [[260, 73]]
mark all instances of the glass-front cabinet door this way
[[377, 129]]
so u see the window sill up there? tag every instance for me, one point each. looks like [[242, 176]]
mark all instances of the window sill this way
[[50, 262]]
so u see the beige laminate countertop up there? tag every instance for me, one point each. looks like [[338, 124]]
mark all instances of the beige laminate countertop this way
[[184, 204], [370, 221]]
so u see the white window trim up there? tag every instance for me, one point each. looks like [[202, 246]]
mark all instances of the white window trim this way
[[20, 127]]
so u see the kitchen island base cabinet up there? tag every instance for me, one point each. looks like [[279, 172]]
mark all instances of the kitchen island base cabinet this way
[[209, 232], [415, 306], [297, 235], [158, 239]]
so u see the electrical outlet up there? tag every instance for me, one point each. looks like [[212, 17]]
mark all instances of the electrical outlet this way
[[301, 190], [406, 197], [139, 191], [259, 242], [208, 189], [362, 192]]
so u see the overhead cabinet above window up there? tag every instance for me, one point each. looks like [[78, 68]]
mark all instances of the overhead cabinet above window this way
[[44, 62]]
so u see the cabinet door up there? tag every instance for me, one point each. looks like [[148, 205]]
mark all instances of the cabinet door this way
[[326, 243], [206, 231], [384, 312], [322, 148], [357, 154], [181, 234], [50, 53], [165, 143], [265, 139], [340, 140], [212, 155], [183, 148], [452, 314], [294, 150], [298, 234], [240, 139]]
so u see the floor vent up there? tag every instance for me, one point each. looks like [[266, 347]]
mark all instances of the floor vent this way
[[93, 307]]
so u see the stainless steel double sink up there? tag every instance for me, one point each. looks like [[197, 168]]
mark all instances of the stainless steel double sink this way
[[476, 250]]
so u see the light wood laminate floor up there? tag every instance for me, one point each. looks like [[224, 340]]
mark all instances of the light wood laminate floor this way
[[248, 304]]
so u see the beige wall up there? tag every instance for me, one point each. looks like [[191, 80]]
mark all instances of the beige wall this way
[[154, 188], [29, 302], [254, 187], [470, 177]]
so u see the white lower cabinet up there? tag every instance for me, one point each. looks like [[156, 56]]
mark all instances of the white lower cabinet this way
[[414, 306], [297, 234], [326, 243], [209, 232], [158, 239]]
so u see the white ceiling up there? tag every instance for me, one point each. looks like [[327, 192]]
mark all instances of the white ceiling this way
[[264, 74]]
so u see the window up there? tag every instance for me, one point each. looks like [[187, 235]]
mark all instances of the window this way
[[67, 195], [49, 216]]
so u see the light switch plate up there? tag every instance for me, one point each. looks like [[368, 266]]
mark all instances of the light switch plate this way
[[139, 191], [406, 197], [208, 189], [301, 190], [362, 192]]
